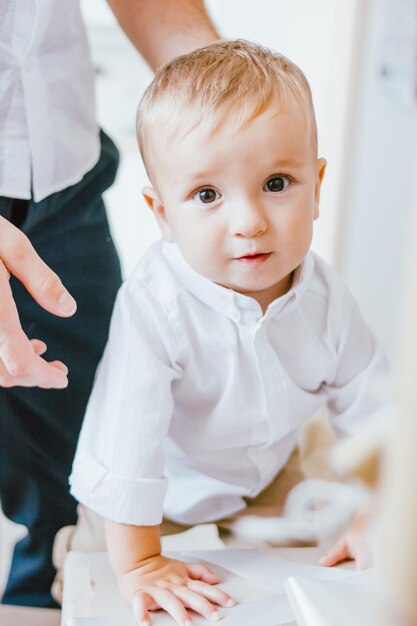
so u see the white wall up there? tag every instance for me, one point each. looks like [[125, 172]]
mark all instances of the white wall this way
[[381, 173]]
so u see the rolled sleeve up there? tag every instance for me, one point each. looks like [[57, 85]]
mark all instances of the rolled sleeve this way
[[137, 501], [118, 469]]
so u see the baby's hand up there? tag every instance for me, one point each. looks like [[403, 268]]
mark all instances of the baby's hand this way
[[162, 583], [352, 544]]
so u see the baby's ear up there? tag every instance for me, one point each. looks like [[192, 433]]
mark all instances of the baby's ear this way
[[155, 204], [321, 168]]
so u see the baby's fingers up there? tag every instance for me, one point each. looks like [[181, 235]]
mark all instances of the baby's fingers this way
[[214, 594], [140, 604], [337, 553], [168, 601], [198, 571], [362, 554], [198, 603]]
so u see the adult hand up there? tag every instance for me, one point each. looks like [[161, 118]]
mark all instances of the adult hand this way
[[20, 358]]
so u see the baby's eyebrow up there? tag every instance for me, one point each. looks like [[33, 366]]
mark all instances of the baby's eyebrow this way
[[193, 179], [205, 176], [287, 163]]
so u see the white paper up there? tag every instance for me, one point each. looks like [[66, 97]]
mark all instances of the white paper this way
[[88, 598], [272, 611], [255, 578], [266, 569], [319, 603]]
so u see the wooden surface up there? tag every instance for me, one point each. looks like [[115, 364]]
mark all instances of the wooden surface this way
[[23, 616]]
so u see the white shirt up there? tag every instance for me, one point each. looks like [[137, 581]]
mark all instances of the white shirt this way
[[199, 397], [48, 134]]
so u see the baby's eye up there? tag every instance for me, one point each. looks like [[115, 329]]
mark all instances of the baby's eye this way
[[206, 196], [277, 183]]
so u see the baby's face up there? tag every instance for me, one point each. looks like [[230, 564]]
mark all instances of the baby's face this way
[[240, 205]]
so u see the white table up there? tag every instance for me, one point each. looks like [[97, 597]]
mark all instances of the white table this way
[[16, 616], [91, 589]]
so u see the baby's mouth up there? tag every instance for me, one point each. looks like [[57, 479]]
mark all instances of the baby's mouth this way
[[253, 260]]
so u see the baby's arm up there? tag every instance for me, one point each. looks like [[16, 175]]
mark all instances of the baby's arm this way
[[151, 581], [358, 393]]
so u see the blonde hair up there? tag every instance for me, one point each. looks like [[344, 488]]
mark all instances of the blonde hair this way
[[227, 81]]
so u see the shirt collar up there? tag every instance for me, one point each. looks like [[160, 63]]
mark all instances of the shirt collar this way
[[226, 301]]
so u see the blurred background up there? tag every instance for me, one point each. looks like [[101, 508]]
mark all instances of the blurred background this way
[[360, 57]]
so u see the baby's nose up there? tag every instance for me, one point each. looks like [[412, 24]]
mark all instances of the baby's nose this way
[[247, 221]]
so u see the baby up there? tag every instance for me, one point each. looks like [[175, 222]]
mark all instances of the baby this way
[[229, 334]]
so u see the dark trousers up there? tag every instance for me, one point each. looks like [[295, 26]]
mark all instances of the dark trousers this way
[[39, 428]]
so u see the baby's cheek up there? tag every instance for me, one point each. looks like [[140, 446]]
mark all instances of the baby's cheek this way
[[301, 224]]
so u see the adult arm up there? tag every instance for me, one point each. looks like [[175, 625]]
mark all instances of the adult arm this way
[[163, 29], [20, 358]]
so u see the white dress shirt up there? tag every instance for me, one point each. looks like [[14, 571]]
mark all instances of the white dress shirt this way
[[48, 134], [199, 397]]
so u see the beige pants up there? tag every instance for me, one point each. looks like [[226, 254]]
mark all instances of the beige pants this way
[[309, 460]]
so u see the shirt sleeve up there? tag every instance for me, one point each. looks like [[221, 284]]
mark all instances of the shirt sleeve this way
[[361, 387], [119, 462]]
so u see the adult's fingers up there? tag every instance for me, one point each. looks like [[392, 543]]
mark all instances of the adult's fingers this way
[[21, 260], [32, 370], [36, 371], [19, 357], [199, 571], [38, 346], [6, 380], [59, 365], [15, 349]]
